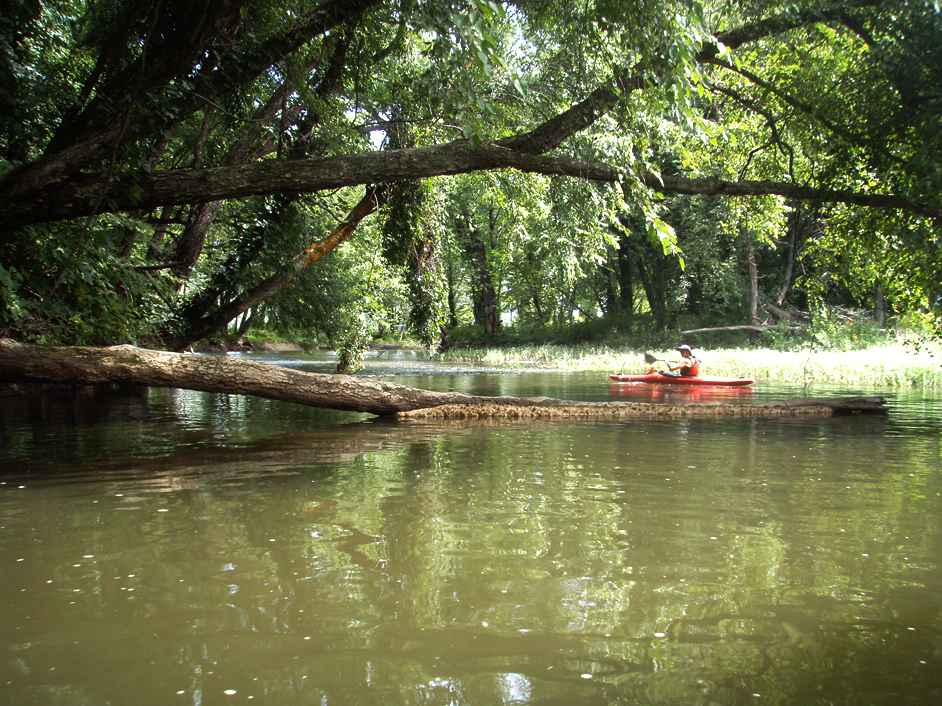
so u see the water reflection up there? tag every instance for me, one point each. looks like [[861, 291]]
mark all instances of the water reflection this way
[[192, 548]]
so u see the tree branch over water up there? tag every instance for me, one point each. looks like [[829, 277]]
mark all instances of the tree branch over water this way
[[37, 193], [201, 185]]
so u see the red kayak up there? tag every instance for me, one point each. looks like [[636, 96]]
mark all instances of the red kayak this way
[[659, 379]]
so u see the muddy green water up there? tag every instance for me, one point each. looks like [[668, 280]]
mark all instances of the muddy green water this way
[[176, 547]]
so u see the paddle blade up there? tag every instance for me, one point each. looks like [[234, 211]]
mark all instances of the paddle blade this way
[[648, 358]]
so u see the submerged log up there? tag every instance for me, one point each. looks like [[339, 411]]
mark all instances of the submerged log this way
[[561, 409], [21, 363]]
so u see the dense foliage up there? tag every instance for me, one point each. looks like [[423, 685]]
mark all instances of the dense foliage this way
[[173, 170]]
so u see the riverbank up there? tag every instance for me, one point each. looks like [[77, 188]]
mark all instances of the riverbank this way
[[890, 365]]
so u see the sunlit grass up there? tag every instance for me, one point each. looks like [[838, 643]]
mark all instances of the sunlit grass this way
[[893, 365]]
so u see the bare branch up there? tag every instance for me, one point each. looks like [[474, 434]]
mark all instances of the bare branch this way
[[722, 187], [849, 137], [770, 120], [778, 24]]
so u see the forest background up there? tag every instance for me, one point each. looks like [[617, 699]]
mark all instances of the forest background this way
[[470, 171]]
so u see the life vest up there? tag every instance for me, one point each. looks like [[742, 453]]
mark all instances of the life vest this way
[[693, 370]]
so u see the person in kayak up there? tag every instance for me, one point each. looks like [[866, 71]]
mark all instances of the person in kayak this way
[[688, 366]]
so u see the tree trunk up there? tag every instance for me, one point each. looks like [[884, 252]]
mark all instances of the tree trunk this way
[[533, 297], [492, 291], [793, 229], [879, 305], [609, 301], [245, 324], [537, 307], [656, 270], [126, 243], [752, 291], [484, 294], [626, 283], [478, 257], [189, 245], [654, 281], [451, 280], [127, 364], [782, 314], [155, 247], [135, 103]]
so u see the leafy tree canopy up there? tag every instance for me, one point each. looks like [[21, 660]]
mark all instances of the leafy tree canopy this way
[[164, 165]]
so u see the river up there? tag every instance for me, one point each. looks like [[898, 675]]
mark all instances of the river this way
[[176, 547]]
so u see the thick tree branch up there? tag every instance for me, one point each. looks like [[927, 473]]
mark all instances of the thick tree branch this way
[[778, 24], [722, 187], [251, 145], [557, 129], [174, 37], [857, 27], [273, 176]]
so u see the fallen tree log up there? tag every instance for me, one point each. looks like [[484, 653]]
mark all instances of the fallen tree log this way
[[21, 363], [751, 328]]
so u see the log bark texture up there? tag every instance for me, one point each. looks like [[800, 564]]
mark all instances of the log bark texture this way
[[20, 363]]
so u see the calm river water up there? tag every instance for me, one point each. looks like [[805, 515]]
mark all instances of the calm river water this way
[[173, 547]]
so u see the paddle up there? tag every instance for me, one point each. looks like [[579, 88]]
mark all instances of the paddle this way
[[649, 359]]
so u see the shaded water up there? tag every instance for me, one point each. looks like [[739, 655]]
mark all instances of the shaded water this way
[[178, 547]]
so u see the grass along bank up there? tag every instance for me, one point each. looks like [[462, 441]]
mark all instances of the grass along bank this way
[[889, 365]]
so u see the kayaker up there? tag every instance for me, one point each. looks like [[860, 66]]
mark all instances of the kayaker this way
[[687, 366]]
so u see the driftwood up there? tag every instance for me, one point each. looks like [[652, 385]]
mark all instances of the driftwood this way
[[20, 363]]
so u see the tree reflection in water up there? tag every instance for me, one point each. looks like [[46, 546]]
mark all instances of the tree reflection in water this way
[[267, 551]]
